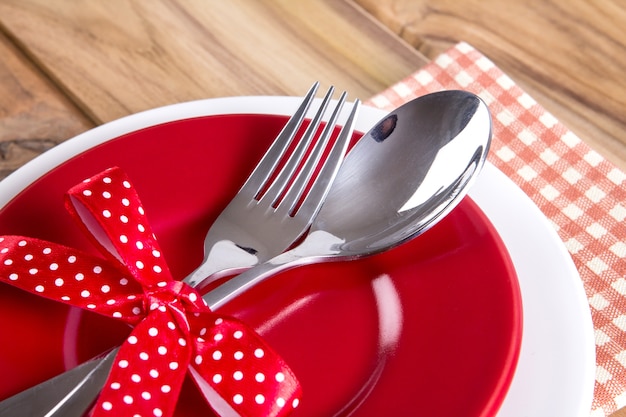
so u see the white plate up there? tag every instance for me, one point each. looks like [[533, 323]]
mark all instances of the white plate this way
[[555, 373]]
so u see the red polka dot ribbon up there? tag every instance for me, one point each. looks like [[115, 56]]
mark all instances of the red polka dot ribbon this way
[[174, 331]]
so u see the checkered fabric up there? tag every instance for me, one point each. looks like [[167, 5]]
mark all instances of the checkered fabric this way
[[582, 194]]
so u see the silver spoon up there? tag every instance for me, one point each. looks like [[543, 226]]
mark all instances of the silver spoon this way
[[403, 176], [400, 179]]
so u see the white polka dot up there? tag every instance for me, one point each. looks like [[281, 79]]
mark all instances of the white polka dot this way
[[105, 289], [123, 281], [217, 378], [135, 378], [238, 375], [162, 350], [126, 184], [106, 213], [238, 334], [146, 395], [154, 373], [79, 277], [156, 253], [136, 311], [128, 399], [259, 377], [123, 219], [217, 337], [132, 340], [117, 314], [144, 356], [140, 210], [259, 353], [123, 238], [219, 321], [125, 202], [217, 355], [141, 228], [139, 265], [198, 360], [71, 259], [47, 251], [91, 306], [97, 269], [182, 342], [162, 284], [123, 363], [54, 267], [139, 244], [115, 385], [280, 402], [157, 411], [107, 406], [238, 355], [65, 298], [295, 403], [85, 293], [238, 398], [193, 297], [33, 271], [87, 193], [8, 262], [111, 302], [106, 180], [280, 377], [171, 325], [58, 282], [13, 277], [106, 194], [39, 288], [173, 366], [28, 257], [165, 389], [21, 243], [260, 399], [153, 331]]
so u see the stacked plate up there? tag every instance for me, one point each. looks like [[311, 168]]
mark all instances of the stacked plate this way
[[483, 315]]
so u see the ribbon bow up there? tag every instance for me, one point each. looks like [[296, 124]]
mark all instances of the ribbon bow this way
[[174, 331]]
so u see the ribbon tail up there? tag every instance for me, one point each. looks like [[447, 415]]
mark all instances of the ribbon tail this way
[[148, 372], [238, 373]]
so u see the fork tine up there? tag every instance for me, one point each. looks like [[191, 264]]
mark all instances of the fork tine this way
[[316, 196], [273, 155], [282, 180], [298, 187]]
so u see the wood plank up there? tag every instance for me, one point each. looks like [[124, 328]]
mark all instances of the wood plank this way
[[569, 56], [34, 115], [119, 57]]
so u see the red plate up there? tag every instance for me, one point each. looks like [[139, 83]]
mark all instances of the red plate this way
[[431, 328]]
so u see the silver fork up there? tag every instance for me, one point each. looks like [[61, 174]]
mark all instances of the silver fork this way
[[271, 210], [269, 213]]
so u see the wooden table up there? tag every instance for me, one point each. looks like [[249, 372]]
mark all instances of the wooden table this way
[[68, 66]]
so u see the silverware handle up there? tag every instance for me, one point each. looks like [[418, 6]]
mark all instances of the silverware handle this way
[[73, 392], [70, 394]]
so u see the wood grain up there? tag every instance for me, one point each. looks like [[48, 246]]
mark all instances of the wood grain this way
[[570, 56], [34, 115], [121, 57]]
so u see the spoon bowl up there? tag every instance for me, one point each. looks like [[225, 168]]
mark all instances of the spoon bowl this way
[[400, 179]]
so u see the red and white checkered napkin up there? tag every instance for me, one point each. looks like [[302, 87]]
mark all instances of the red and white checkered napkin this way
[[582, 194]]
